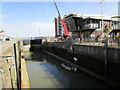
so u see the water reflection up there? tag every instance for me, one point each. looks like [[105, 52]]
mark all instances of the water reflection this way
[[45, 71]]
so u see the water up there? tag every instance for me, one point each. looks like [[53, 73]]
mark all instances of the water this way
[[45, 71]]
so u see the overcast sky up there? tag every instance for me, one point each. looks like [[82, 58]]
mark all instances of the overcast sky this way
[[27, 18]]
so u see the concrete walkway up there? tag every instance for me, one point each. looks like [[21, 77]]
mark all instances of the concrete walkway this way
[[8, 78], [8, 75]]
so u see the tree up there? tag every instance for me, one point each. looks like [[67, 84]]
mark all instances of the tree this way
[[106, 30]]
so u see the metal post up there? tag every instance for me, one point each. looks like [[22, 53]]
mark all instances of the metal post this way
[[73, 51], [106, 57], [118, 42], [73, 48], [19, 67], [101, 1], [15, 55]]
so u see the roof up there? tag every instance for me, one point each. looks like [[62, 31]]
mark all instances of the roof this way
[[89, 16], [115, 18]]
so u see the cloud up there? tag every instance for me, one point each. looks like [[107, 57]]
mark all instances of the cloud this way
[[59, 0], [30, 29], [3, 16]]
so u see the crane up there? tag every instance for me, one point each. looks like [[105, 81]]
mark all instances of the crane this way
[[63, 29]]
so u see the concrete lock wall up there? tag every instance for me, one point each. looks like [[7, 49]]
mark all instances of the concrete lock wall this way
[[99, 52], [91, 58], [94, 51]]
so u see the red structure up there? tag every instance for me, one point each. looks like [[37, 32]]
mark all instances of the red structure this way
[[66, 33], [61, 28]]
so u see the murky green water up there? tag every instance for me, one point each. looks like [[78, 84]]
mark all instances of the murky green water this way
[[45, 71]]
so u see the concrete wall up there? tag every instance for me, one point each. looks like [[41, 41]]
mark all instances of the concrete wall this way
[[94, 51], [13, 68], [90, 58], [9, 75], [113, 54]]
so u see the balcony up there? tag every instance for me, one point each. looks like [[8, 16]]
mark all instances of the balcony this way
[[116, 27], [91, 26]]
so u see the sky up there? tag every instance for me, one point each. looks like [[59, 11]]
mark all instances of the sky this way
[[28, 18]]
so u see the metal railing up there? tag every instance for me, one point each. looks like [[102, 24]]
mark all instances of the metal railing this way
[[112, 42]]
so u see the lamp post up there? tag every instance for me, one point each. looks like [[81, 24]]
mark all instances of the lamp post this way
[[106, 43], [101, 1], [39, 31]]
